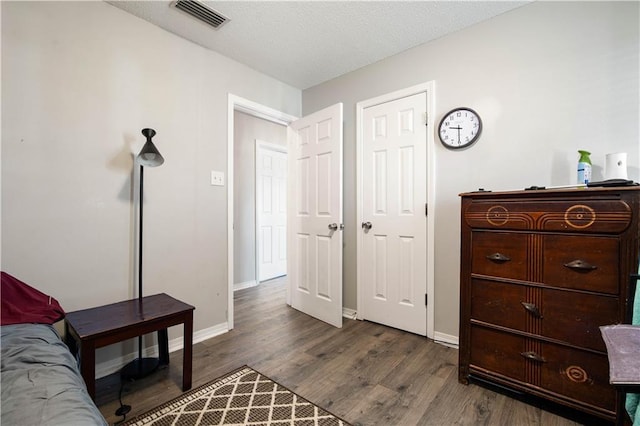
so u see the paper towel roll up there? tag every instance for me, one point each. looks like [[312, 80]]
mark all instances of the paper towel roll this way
[[616, 166]]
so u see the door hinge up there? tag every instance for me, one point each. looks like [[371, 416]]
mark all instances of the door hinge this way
[[426, 119], [426, 209], [426, 297]]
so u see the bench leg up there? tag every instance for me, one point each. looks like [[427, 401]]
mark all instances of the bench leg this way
[[88, 366], [187, 353], [163, 347]]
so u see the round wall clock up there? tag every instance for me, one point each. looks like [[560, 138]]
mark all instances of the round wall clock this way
[[460, 128]]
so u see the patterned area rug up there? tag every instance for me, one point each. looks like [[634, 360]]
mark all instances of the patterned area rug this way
[[242, 397]]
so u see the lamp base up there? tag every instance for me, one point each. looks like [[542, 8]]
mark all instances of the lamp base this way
[[139, 368]]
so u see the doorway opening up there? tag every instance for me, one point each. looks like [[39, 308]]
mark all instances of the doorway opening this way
[[260, 200], [269, 120]]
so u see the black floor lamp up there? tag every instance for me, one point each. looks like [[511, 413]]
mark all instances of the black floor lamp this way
[[149, 156]]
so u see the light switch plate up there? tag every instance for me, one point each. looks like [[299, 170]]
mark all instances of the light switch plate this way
[[217, 178]]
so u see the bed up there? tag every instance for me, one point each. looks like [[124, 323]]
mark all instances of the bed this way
[[41, 382]]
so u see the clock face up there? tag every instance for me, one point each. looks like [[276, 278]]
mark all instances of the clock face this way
[[460, 128]]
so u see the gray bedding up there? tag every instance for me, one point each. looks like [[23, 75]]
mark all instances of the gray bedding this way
[[41, 382]]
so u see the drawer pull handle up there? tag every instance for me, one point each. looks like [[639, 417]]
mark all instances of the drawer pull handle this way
[[580, 265], [498, 257], [533, 356], [533, 309]]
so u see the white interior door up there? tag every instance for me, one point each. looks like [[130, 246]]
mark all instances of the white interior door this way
[[315, 214], [271, 210], [394, 221]]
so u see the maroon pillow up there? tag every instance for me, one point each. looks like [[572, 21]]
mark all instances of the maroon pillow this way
[[24, 304]]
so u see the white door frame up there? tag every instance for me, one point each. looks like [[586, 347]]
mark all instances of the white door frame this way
[[429, 89], [260, 144], [236, 103]]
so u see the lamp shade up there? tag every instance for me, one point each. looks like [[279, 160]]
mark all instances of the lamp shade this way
[[149, 156]]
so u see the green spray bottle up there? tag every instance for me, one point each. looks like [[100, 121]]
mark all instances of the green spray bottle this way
[[584, 167]]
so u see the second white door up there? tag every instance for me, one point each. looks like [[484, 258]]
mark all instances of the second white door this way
[[271, 210], [394, 221]]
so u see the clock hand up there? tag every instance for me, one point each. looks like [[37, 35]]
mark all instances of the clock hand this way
[[458, 129]]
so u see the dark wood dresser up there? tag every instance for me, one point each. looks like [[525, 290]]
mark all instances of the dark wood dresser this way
[[540, 271]]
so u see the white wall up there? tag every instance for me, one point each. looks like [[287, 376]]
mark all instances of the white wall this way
[[548, 79], [80, 80], [246, 130]]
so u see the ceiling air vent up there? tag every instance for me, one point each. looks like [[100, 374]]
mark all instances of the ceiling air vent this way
[[201, 12]]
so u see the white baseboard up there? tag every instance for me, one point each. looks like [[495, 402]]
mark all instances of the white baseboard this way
[[349, 313], [246, 284], [109, 367], [446, 339]]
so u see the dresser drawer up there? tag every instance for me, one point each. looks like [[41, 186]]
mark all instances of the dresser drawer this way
[[611, 216], [577, 374], [498, 352], [576, 318], [499, 254], [498, 303], [566, 316], [581, 262], [566, 372]]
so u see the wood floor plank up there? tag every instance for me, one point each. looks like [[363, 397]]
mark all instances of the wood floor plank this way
[[375, 407], [366, 373]]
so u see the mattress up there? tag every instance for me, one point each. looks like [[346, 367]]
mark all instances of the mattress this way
[[41, 382]]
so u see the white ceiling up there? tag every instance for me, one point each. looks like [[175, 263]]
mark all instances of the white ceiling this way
[[305, 43]]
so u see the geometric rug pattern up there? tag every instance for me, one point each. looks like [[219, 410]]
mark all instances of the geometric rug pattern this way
[[242, 397]]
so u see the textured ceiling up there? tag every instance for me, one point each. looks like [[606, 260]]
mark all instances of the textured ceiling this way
[[305, 43]]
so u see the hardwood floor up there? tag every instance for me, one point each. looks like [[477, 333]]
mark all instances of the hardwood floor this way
[[366, 373]]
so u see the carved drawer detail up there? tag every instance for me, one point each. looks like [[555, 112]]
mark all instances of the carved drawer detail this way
[[592, 216]]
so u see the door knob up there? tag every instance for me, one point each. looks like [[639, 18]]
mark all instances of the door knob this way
[[333, 226], [366, 225]]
